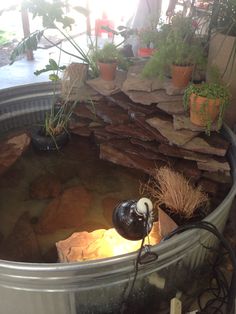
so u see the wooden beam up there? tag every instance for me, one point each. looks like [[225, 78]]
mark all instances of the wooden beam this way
[[26, 30]]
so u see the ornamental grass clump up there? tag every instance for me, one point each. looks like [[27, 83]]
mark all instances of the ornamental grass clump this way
[[172, 192]]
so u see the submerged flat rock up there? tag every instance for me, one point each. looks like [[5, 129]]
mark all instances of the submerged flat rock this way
[[22, 244], [66, 211], [11, 149], [45, 186]]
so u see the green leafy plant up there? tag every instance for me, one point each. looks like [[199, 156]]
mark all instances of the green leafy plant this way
[[53, 16], [108, 54], [209, 91], [148, 35], [56, 120], [148, 38], [177, 45]]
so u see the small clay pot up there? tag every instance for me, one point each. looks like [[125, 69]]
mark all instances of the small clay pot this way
[[145, 52], [107, 71], [203, 110], [181, 75]]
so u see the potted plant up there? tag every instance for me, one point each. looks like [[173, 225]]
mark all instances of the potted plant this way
[[148, 42], [148, 35], [207, 103], [53, 134], [107, 59], [175, 199], [178, 48]]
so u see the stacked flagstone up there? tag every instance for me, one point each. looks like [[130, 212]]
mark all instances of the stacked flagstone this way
[[144, 126]]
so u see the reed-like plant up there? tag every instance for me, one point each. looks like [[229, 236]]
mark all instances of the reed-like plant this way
[[173, 192]]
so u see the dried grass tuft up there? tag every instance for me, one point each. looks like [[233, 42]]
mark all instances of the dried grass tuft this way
[[175, 192]]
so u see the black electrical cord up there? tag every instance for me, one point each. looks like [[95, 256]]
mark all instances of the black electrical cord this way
[[212, 229], [218, 287], [125, 303]]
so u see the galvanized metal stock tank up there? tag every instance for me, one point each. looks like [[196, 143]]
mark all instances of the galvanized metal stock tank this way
[[97, 286]]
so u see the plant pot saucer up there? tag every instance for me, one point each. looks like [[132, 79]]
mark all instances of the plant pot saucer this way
[[47, 143]]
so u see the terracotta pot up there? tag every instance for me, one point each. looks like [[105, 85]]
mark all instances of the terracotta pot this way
[[202, 109], [145, 52], [107, 71], [166, 223], [181, 75]]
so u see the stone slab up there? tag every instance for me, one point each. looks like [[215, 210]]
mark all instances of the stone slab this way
[[11, 149], [130, 130], [84, 93], [165, 127], [152, 146], [183, 122], [120, 157], [223, 178], [179, 152], [111, 113], [141, 121], [137, 83], [102, 135], [213, 145], [127, 146], [171, 89], [148, 98], [107, 88], [172, 107], [87, 111], [213, 165]]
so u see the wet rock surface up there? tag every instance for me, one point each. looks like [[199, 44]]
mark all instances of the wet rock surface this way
[[21, 245], [45, 186], [107, 88], [11, 149], [165, 127], [65, 211], [82, 246]]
